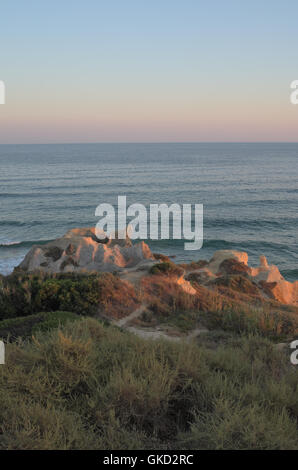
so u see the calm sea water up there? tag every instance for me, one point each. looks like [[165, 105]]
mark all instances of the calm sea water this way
[[249, 192]]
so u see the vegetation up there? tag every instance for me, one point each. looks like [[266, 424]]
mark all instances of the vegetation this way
[[168, 268], [24, 294], [73, 382], [273, 324], [24, 327], [230, 310], [165, 299], [89, 386], [193, 265], [184, 321]]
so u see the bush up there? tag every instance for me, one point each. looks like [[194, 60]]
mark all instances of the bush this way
[[184, 321], [24, 327], [165, 298], [24, 294], [168, 268], [276, 325], [87, 386]]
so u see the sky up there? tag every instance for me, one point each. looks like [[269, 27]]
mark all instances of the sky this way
[[148, 70]]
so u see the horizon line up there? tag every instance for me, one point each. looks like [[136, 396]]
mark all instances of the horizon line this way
[[157, 142]]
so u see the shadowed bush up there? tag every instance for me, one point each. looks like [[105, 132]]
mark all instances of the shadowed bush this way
[[24, 327]]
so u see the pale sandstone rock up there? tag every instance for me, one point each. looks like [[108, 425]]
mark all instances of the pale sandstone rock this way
[[79, 250], [283, 291], [263, 261], [221, 255], [265, 272]]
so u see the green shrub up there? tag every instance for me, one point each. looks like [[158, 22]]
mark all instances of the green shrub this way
[[185, 321], [24, 294], [24, 327]]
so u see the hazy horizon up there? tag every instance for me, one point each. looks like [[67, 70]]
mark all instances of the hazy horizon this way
[[151, 143]]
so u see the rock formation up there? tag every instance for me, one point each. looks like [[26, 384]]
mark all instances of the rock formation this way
[[265, 277], [79, 250]]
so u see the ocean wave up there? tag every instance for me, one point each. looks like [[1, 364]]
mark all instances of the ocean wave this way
[[9, 243], [23, 244], [19, 223]]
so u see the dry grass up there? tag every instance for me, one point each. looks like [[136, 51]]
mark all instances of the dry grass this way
[[88, 386]]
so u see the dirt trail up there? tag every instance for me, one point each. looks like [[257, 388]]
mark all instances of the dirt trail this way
[[150, 333], [154, 333], [158, 334], [135, 314]]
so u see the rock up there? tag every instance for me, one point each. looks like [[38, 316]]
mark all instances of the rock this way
[[230, 268], [285, 291], [80, 250], [84, 250], [86, 233], [263, 261], [233, 266], [268, 277], [266, 273], [274, 284], [222, 255]]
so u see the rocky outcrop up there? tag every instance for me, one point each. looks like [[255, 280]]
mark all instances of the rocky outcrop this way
[[222, 255], [79, 250], [226, 267]]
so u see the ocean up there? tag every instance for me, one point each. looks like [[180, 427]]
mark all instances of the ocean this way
[[249, 193]]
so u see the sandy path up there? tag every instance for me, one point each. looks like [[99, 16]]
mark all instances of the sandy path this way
[[159, 334], [154, 333], [150, 333], [135, 314]]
